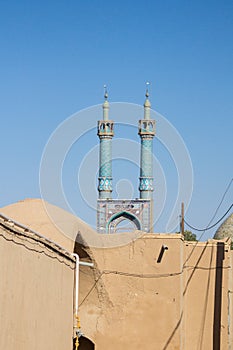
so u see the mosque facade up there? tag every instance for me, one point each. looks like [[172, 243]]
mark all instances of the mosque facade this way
[[112, 212]]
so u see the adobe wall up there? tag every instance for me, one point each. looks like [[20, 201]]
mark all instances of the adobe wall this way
[[207, 275], [180, 302], [134, 297], [36, 295], [141, 300]]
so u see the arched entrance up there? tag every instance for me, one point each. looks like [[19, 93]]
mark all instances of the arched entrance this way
[[123, 222]]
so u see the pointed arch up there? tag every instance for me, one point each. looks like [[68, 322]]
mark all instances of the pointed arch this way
[[119, 217]]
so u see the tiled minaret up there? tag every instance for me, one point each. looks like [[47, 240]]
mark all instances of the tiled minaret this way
[[105, 133], [112, 213], [146, 132]]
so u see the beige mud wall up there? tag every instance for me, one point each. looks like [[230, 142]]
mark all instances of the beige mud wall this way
[[140, 298], [128, 300], [36, 295], [179, 303], [207, 275]]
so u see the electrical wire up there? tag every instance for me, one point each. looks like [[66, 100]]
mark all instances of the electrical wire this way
[[220, 203], [141, 275], [215, 213], [203, 231], [154, 276], [89, 292], [209, 227], [144, 276]]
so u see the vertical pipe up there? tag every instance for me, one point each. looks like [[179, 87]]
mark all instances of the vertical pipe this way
[[76, 289]]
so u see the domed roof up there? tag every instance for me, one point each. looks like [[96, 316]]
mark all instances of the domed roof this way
[[49, 220], [226, 229], [61, 226]]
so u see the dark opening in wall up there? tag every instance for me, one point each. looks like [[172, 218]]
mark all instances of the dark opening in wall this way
[[84, 344]]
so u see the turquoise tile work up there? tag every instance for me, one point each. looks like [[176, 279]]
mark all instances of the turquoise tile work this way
[[111, 213]]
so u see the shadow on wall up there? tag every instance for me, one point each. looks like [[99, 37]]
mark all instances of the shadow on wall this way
[[218, 296], [84, 344]]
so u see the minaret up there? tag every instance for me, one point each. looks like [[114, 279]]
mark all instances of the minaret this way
[[146, 132], [105, 133], [111, 213]]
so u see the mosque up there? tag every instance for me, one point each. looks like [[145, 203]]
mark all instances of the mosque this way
[[111, 212], [59, 289]]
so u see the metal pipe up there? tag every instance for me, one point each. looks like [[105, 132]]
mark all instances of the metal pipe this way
[[85, 263], [76, 283], [82, 263]]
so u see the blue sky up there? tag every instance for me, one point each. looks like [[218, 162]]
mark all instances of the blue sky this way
[[56, 57]]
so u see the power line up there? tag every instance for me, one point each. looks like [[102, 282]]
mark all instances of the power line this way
[[165, 275], [224, 194], [215, 213], [209, 227], [144, 276], [203, 231]]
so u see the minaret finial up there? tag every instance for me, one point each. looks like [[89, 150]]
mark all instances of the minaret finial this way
[[105, 92], [147, 104], [105, 104], [147, 89]]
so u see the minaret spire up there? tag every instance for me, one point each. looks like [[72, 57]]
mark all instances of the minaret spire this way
[[105, 133], [147, 105], [105, 104], [147, 89], [105, 92]]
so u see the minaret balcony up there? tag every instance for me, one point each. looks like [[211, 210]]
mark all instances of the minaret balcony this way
[[146, 127], [105, 128]]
